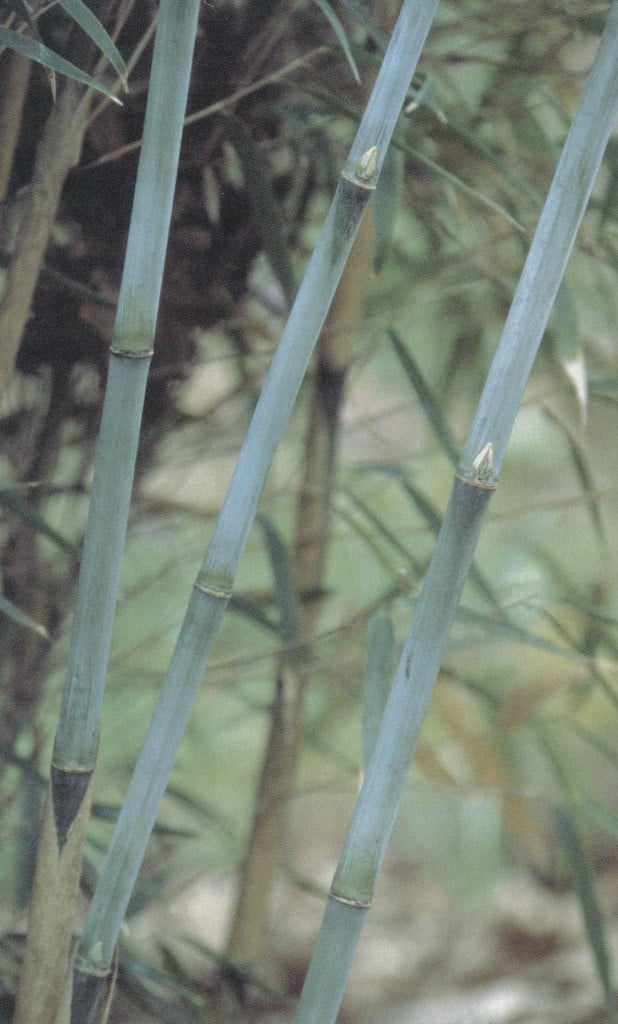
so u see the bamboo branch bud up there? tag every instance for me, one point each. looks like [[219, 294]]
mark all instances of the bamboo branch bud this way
[[483, 470]]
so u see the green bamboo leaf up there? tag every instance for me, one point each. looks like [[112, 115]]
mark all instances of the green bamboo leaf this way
[[583, 880], [386, 204], [481, 147], [12, 497], [20, 618], [204, 811], [421, 158], [36, 51], [253, 610], [378, 672], [605, 816], [245, 975], [285, 585], [605, 388], [93, 28], [569, 347], [363, 19], [428, 400], [578, 458], [609, 207], [433, 520], [264, 206], [415, 155], [339, 31], [592, 611], [378, 526], [523, 636], [149, 987], [109, 813]]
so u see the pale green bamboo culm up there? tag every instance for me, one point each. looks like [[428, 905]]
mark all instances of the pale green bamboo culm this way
[[370, 829], [51, 923], [213, 586]]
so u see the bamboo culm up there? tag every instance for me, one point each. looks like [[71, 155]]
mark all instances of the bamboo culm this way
[[213, 586]]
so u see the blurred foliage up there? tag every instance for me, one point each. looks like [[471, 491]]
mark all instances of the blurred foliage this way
[[525, 714]]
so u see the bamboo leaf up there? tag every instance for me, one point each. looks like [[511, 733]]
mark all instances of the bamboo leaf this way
[[583, 880], [378, 673], [149, 987], [16, 615], [386, 203], [93, 28], [380, 526], [49, 59], [418, 157], [522, 635], [253, 610], [339, 31], [434, 522], [481, 147], [11, 497], [569, 347], [285, 585], [363, 19], [428, 400], [245, 975], [265, 208], [586, 481]]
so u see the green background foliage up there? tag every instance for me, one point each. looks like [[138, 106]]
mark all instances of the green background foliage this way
[[524, 716]]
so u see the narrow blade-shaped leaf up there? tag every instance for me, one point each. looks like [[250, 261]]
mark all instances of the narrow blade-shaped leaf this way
[[20, 618], [266, 211], [583, 880], [93, 28], [339, 31], [49, 59], [428, 400], [378, 672], [285, 585], [569, 346]]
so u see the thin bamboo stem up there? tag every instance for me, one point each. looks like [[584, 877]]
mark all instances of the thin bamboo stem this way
[[14, 78], [75, 748], [57, 152], [213, 587]]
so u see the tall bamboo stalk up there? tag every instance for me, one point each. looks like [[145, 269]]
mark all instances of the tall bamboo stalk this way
[[57, 152], [369, 832], [47, 957], [213, 586], [266, 842], [14, 78]]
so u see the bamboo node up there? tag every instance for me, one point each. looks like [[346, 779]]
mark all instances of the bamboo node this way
[[349, 902], [364, 171], [221, 593], [131, 353]]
